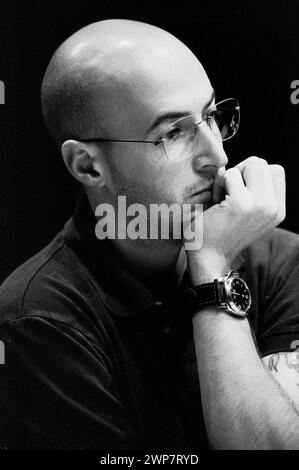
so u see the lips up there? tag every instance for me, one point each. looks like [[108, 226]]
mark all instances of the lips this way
[[203, 197], [208, 188]]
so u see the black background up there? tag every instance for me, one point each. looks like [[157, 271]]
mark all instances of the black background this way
[[249, 49]]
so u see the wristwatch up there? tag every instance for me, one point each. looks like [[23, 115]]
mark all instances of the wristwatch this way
[[230, 294]]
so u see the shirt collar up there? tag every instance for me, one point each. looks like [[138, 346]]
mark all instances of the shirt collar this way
[[122, 293]]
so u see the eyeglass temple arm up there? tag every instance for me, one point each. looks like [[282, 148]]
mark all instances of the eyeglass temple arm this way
[[156, 142]]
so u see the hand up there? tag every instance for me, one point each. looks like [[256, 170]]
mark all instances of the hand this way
[[254, 204]]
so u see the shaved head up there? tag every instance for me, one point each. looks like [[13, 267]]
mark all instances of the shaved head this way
[[96, 72], [127, 82]]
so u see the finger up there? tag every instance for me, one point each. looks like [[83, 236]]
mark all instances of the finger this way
[[254, 172], [244, 163], [220, 176], [279, 183], [265, 187], [218, 193], [234, 184]]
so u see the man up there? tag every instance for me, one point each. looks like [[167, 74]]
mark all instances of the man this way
[[103, 347]]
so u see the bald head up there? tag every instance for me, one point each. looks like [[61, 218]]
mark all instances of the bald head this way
[[106, 67]]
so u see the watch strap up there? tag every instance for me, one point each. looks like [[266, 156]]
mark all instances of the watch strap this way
[[207, 294], [204, 294], [217, 293]]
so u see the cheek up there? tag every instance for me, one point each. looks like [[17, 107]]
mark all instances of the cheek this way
[[170, 182], [175, 180], [151, 178], [136, 162], [164, 182], [140, 168]]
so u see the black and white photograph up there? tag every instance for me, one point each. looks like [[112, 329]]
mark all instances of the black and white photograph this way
[[149, 242]]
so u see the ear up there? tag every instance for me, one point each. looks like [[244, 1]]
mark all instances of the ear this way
[[84, 162]]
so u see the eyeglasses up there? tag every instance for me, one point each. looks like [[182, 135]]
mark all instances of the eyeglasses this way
[[181, 139]]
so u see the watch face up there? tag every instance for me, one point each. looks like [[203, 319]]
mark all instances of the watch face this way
[[238, 296]]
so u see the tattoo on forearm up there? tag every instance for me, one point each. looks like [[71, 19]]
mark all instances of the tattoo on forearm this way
[[291, 360], [273, 362]]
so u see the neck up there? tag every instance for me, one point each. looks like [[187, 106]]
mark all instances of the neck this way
[[156, 262]]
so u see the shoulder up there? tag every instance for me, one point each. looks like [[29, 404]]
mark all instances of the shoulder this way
[[53, 285], [14, 288], [277, 248], [272, 273], [271, 265]]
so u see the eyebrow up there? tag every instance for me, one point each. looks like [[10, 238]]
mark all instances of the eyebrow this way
[[172, 115]]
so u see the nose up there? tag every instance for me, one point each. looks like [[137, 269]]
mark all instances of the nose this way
[[210, 151]]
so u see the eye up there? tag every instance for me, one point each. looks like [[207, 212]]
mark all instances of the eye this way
[[173, 133]]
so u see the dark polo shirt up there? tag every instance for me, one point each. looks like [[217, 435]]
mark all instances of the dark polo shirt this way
[[93, 360]]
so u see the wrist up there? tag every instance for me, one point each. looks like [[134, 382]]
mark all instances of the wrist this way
[[228, 293], [206, 265]]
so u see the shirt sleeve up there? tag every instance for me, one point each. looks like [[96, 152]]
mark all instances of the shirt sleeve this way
[[276, 279], [57, 390]]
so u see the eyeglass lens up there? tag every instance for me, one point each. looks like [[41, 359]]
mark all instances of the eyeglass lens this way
[[181, 139]]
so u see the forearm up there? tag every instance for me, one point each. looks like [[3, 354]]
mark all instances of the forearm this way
[[244, 407]]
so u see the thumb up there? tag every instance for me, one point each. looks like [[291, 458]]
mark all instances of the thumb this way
[[218, 193]]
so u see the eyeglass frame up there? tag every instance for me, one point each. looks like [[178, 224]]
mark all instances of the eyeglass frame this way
[[160, 139]]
